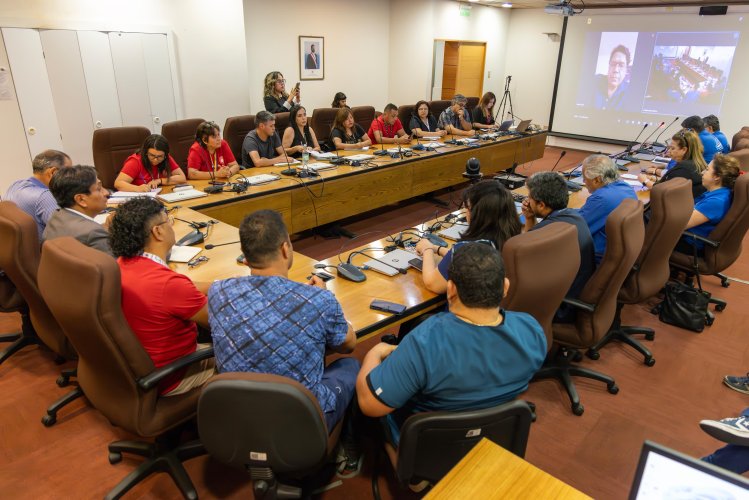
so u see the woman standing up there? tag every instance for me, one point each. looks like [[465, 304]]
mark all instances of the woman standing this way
[[275, 98]]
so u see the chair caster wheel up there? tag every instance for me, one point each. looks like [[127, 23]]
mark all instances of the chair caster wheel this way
[[650, 336], [49, 420], [593, 354], [709, 320], [613, 389], [720, 307], [649, 361], [115, 457], [578, 409], [577, 356], [62, 381], [725, 283]]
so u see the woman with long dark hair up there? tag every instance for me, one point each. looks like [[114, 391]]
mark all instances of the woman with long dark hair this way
[[348, 134], [492, 219], [150, 167], [483, 114], [299, 136]]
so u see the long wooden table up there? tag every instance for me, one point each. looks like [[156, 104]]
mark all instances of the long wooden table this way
[[346, 191], [490, 471]]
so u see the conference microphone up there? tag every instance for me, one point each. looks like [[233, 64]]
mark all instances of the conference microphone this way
[[210, 246], [653, 132], [629, 148], [382, 140], [289, 170], [564, 152], [656, 143]]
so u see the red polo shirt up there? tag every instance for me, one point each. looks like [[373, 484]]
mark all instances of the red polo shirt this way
[[158, 304], [133, 167], [199, 159], [386, 130]]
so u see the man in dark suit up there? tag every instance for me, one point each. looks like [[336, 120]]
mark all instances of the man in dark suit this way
[[312, 61], [81, 197]]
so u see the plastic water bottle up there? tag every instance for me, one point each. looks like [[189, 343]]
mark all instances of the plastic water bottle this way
[[305, 158]]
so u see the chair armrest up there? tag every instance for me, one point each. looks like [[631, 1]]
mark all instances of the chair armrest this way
[[152, 379], [706, 241], [579, 304]]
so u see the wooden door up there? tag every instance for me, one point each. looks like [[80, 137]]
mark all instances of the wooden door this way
[[469, 80]]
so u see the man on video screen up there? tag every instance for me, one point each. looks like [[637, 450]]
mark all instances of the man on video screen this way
[[610, 89]]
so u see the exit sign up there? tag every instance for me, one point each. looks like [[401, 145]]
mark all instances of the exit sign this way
[[465, 10]]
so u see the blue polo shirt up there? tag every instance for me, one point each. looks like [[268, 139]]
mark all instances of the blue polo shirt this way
[[723, 140], [710, 145], [597, 208], [714, 205], [34, 198], [448, 364]]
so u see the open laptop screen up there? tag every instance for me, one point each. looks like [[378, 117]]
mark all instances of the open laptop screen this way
[[665, 474]]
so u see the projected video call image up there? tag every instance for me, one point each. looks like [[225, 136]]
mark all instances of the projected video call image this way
[[695, 73], [616, 54]]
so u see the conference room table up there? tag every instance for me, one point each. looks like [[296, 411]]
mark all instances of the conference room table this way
[[355, 298], [344, 190]]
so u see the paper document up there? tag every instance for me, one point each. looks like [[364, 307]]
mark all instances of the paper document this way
[[292, 161], [183, 254], [629, 176], [319, 155]]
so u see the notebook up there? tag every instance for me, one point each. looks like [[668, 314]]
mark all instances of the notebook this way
[[188, 194]]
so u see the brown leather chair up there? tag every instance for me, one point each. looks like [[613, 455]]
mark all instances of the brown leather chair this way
[[19, 258], [363, 116], [114, 370], [235, 130], [437, 107], [181, 135], [240, 414], [671, 205], [112, 146], [472, 103], [741, 153], [533, 273], [12, 302], [322, 123], [723, 244], [282, 122], [741, 134], [625, 231], [405, 113]]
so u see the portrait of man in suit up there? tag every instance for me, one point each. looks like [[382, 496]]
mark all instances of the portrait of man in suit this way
[[312, 60]]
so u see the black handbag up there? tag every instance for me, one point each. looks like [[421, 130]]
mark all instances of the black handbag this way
[[684, 306]]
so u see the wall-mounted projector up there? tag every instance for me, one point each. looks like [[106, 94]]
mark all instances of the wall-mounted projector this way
[[561, 9]]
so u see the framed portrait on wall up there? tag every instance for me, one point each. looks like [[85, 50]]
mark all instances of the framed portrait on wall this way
[[311, 58]]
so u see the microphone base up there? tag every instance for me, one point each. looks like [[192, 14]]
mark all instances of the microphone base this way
[[303, 174], [289, 171], [380, 152]]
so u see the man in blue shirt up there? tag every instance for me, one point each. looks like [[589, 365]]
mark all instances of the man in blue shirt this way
[[607, 191], [32, 195], [266, 323], [710, 144], [474, 356], [547, 199], [712, 125]]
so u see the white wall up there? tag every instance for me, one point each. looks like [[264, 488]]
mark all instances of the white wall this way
[[356, 48], [532, 62], [415, 24], [208, 42]]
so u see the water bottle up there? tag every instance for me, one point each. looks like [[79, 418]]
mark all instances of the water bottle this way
[[305, 157]]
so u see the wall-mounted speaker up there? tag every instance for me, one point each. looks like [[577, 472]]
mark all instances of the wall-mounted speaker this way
[[714, 10]]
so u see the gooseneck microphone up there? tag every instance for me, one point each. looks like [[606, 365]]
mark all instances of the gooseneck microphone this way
[[629, 147], [382, 140], [289, 170], [564, 152], [656, 143], [210, 246], [645, 141]]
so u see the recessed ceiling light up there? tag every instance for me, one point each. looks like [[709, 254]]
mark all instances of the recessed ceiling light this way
[[507, 5], [473, 1]]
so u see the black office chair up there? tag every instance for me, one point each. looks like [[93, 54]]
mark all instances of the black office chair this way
[[268, 425], [431, 443]]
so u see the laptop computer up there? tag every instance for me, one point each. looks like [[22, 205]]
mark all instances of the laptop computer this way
[[523, 126], [505, 126], [453, 232], [665, 473], [389, 263]]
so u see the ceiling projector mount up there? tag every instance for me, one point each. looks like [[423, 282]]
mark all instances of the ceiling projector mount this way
[[563, 8]]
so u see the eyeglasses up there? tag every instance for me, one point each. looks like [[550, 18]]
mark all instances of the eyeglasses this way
[[156, 157], [197, 261], [169, 219], [281, 80]]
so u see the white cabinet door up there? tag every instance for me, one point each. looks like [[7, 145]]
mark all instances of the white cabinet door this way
[[68, 84], [24, 48], [159, 76], [132, 83], [101, 85]]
